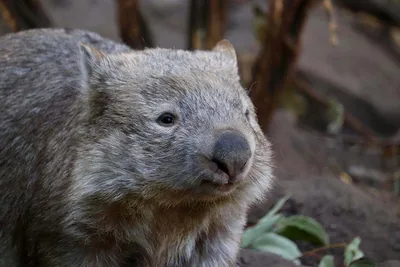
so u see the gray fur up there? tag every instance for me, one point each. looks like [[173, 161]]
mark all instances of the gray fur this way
[[88, 177]]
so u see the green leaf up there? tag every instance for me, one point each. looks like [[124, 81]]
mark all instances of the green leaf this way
[[274, 243], [363, 262], [327, 261], [299, 227], [275, 208], [254, 232], [352, 251], [265, 224]]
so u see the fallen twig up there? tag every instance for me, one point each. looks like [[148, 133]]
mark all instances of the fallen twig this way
[[314, 251], [349, 119], [329, 11]]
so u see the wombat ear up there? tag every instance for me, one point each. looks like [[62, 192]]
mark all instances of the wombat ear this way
[[90, 57], [224, 46]]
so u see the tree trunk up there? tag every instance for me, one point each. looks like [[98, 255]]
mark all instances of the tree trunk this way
[[132, 26], [207, 22], [275, 66], [24, 14]]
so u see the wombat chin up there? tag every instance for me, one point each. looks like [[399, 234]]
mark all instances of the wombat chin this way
[[204, 194]]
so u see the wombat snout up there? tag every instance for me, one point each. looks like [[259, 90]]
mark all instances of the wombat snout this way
[[231, 153]]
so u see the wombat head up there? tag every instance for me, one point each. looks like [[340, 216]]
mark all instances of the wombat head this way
[[170, 125]]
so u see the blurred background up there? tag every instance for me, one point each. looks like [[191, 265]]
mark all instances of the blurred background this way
[[325, 78]]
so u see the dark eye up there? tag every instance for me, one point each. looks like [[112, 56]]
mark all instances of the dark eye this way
[[166, 119], [247, 113]]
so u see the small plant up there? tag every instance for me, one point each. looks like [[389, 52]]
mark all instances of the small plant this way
[[276, 233]]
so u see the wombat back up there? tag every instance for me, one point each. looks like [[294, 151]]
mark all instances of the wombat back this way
[[40, 80]]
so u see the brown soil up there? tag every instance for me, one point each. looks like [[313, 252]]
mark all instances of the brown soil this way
[[345, 210], [250, 258]]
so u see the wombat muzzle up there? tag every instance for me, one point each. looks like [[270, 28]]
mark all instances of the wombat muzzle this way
[[231, 153]]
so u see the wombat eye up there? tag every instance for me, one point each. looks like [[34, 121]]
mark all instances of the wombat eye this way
[[247, 113], [166, 119]]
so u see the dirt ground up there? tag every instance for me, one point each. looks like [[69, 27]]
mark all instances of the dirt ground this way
[[250, 258], [345, 210], [306, 163]]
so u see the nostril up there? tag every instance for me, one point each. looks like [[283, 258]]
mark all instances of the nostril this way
[[231, 153], [221, 165], [243, 166]]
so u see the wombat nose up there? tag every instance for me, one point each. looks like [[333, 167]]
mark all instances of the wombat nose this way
[[231, 153]]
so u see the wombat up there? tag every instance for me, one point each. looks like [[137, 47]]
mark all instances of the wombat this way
[[115, 157]]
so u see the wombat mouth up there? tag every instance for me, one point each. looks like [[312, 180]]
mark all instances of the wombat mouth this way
[[226, 187]]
